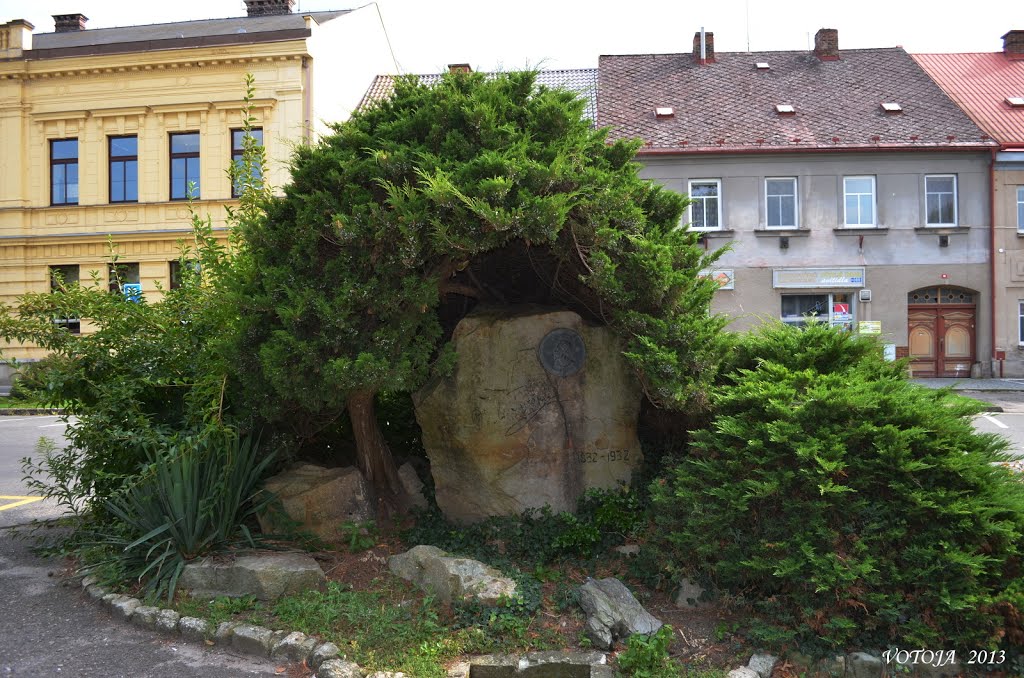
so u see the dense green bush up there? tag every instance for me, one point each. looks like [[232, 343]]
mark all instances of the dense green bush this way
[[603, 519], [850, 505]]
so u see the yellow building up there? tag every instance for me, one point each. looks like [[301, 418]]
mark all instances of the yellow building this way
[[103, 132]]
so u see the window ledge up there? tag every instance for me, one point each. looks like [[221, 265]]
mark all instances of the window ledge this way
[[871, 230], [942, 230], [717, 233], [782, 232]]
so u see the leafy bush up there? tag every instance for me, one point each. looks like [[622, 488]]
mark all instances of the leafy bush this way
[[647, 656], [853, 506], [195, 498], [538, 536]]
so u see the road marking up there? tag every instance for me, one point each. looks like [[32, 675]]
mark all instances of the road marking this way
[[995, 421], [52, 425], [19, 501], [5, 419]]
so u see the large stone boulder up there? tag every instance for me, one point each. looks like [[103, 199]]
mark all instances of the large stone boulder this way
[[267, 576], [506, 433], [319, 500], [449, 578], [613, 614]]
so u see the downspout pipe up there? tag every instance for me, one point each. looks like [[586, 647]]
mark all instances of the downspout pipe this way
[[992, 253]]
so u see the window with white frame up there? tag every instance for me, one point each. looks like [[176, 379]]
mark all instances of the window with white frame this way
[[780, 202], [706, 204], [1020, 209], [940, 200], [859, 202]]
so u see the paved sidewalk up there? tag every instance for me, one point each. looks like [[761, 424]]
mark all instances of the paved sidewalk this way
[[973, 384]]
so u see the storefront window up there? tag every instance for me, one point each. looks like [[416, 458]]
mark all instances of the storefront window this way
[[835, 308]]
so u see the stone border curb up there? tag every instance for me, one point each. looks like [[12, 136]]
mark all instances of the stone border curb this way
[[27, 411], [323, 657]]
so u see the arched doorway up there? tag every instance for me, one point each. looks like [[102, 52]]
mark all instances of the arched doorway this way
[[941, 331]]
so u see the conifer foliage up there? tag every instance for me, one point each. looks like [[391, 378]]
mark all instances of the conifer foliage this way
[[854, 507], [473, 190]]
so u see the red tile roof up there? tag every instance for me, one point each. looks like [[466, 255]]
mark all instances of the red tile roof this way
[[730, 105], [981, 83]]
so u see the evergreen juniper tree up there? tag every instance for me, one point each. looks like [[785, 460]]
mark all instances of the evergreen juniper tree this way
[[474, 189]]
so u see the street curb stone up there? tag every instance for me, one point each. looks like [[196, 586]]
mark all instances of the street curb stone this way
[[145, 616], [250, 639]]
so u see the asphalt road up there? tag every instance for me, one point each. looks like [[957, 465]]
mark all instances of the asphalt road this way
[[49, 628]]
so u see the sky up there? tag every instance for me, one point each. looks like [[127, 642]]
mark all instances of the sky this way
[[426, 35]]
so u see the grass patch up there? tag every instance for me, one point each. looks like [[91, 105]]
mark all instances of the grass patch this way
[[219, 609], [391, 628]]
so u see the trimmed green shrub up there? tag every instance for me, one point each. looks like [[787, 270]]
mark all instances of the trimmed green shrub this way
[[852, 506]]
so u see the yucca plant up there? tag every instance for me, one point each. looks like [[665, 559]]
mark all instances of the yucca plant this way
[[194, 498]]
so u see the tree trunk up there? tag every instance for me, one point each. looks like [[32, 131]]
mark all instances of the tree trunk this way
[[375, 460]]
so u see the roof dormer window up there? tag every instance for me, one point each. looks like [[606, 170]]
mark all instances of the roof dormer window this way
[[1016, 102], [785, 109], [664, 112], [891, 107]]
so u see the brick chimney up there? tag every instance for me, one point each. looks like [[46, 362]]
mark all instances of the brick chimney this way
[[709, 47], [1013, 44], [826, 44], [69, 23], [268, 7], [460, 68]]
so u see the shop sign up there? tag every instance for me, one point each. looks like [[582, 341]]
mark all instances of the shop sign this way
[[869, 327], [725, 277], [818, 277], [841, 312]]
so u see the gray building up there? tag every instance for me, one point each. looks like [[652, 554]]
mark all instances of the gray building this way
[[846, 183]]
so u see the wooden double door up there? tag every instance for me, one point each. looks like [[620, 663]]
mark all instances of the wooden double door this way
[[941, 340]]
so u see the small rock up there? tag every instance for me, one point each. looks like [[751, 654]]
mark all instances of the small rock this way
[[762, 664], [167, 621], [322, 653], [690, 594], [387, 674], [123, 607], [339, 668], [252, 639], [742, 672], [863, 665], [194, 629], [412, 485], [321, 500], [630, 550], [613, 613], [266, 576], [224, 632], [89, 580], [459, 670], [109, 598], [833, 668], [291, 647], [449, 578], [96, 592], [145, 616]]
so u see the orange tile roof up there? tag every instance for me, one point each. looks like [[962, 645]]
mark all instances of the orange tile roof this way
[[980, 84]]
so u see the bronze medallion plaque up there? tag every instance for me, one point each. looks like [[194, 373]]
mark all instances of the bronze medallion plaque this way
[[562, 352]]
